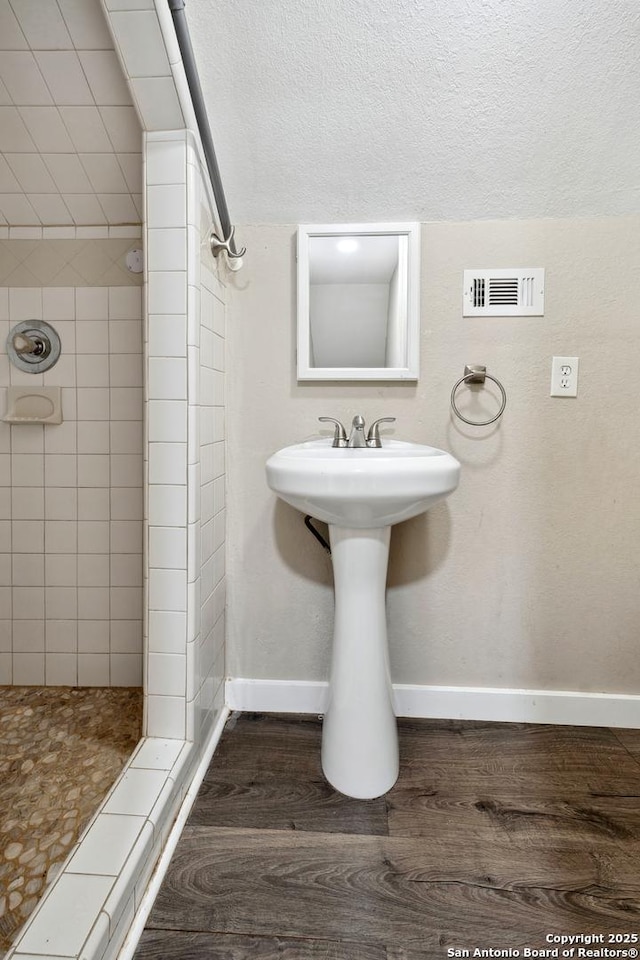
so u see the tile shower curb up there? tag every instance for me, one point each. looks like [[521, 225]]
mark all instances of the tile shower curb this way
[[103, 895]]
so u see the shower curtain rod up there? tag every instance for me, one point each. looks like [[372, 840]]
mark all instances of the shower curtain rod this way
[[200, 110]]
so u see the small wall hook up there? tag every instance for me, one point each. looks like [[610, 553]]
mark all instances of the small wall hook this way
[[217, 246]]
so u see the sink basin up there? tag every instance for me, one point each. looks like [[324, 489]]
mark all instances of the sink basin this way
[[365, 487], [360, 493]]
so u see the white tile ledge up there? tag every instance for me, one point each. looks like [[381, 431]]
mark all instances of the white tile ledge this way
[[114, 909], [80, 912]]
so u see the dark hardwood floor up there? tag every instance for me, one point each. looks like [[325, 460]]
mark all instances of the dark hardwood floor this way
[[495, 836]]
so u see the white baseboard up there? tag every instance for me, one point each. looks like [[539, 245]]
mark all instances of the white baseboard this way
[[455, 703], [276, 696]]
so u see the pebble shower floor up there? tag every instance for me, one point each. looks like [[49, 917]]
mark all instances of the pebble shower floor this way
[[61, 749]]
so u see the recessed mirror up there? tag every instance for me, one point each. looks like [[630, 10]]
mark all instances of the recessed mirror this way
[[358, 301]]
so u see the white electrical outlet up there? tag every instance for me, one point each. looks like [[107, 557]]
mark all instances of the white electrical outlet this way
[[564, 376]]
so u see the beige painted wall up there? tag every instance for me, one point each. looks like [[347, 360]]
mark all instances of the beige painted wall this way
[[528, 576]]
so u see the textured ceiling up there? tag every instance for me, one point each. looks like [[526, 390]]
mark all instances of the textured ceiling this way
[[70, 140], [422, 109]]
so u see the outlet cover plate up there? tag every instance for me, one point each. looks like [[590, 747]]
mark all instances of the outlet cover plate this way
[[564, 376]]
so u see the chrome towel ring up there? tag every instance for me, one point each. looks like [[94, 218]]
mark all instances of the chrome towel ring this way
[[476, 373]]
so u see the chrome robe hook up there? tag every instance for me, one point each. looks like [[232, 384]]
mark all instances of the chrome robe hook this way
[[218, 245]]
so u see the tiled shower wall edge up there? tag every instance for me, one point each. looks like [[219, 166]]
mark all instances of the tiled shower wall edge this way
[[89, 908], [186, 447]]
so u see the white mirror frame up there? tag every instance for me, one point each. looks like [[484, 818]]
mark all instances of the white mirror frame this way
[[412, 369]]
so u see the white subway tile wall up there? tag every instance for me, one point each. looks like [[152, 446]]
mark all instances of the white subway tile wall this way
[[186, 448], [71, 504]]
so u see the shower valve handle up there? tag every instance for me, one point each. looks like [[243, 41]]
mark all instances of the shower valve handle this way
[[24, 344]]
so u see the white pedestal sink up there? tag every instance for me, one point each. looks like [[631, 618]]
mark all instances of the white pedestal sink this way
[[360, 493]]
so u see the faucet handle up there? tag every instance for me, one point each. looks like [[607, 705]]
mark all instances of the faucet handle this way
[[339, 435], [373, 436]]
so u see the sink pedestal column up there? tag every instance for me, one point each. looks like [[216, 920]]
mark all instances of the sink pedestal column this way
[[359, 736]]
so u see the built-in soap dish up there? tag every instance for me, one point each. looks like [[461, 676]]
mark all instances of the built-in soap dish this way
[[34, 405]]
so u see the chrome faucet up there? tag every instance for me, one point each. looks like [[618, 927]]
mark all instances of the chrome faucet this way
[[356, 437]]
